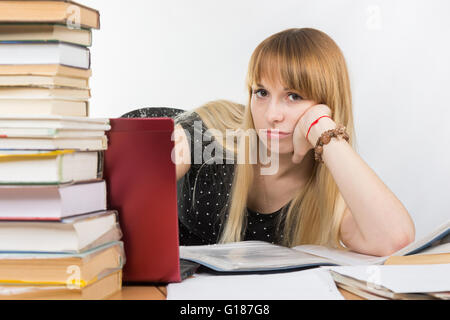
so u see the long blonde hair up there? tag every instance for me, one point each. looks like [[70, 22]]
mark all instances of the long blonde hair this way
[[309, 61]]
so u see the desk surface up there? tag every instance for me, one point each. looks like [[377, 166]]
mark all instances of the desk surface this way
[[160, 293], [140, 293]]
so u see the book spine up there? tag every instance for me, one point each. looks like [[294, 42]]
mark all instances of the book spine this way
[[30, 219]]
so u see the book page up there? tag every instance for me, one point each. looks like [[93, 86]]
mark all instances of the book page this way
[[249, 256], [442, 248], [307, 284], [341, 257]]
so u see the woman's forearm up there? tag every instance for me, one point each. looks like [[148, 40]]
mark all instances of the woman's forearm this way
[[381, 218]]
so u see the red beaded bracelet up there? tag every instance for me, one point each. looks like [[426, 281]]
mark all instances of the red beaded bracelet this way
[[315, 122]]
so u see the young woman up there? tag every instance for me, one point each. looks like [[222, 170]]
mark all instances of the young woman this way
[[299, 91]]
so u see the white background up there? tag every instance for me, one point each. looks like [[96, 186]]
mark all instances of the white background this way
[[184, 53]]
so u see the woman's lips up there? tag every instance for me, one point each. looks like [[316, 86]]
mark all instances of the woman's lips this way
[[277, 134]]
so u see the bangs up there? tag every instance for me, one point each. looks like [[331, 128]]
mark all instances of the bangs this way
[[289, 60]]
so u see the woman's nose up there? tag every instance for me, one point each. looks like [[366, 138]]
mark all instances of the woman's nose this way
[[274, 113]]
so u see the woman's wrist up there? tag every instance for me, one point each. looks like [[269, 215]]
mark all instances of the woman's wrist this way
[[320, 127]]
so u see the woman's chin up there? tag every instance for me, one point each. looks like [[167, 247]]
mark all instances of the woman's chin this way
[[280, 149], [283, 147]]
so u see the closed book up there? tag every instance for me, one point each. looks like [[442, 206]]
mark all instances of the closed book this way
[[49, 167], [142, 187], [53, 121], [82, 143], [48, 133], [44, 70], [45, 53], [69, 235], [54, 269], [51, 202], [419, 259], [54, 141], [372, 290], [25, 93], [396, 281], [439, 253], [45, 32], [63, 12], [100, 289], [43, 81], [69, 108]]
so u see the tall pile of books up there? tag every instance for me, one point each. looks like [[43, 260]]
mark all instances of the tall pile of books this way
[[57, 238]]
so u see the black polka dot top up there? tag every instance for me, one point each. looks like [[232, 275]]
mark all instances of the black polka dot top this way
[[204, 194]]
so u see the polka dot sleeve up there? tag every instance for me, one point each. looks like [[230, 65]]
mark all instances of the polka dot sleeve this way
[[204, 191]]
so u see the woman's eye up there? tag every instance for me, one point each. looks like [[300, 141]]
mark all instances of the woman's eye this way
[[261, 93], [294, 97]]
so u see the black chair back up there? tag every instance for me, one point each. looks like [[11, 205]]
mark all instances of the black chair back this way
[[153, 112]]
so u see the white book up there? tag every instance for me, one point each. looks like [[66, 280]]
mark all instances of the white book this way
[[16, 107], [82, 144], [51, 202], [54, 121], [49, 167], [45, 53], [70, 235], [42, 81], [394, 281], [52, 139], [24, 93], [48, 133]]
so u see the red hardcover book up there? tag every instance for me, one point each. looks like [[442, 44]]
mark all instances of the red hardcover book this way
[[141, 185]]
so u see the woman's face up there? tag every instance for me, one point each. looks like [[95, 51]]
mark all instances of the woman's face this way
[[275, 107]]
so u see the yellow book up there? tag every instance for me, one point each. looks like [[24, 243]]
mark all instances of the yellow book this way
[[58, 269], [101, 289], [64, 12], [25, 93], [42, 81], [440, 258], [45, 70]]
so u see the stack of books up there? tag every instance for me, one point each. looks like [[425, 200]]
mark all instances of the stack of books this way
[[57, 238], [395, 282]]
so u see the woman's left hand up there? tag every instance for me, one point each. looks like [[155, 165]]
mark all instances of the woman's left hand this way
[[301, 129]]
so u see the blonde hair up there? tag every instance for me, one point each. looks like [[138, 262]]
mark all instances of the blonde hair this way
[[309, 61]]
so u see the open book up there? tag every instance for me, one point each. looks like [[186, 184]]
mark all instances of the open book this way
[[255, 256]]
